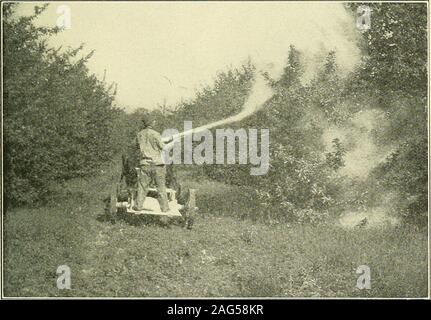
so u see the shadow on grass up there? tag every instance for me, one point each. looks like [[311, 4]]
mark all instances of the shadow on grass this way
[[137, 220]]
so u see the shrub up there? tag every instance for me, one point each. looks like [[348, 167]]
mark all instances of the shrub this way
[[57, 116]]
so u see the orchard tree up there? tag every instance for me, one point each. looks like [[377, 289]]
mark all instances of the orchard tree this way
[[57, 116]]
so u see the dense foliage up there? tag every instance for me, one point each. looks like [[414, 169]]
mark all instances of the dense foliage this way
[[57, 116]]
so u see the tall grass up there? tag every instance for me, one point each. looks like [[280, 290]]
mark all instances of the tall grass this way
[[223, 255]]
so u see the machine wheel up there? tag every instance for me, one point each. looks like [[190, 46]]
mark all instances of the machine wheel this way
[[189, 210]]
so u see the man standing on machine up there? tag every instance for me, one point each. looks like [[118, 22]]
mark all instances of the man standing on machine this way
[[151, 165]]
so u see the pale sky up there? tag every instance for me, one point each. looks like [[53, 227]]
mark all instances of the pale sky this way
[[165, 51]]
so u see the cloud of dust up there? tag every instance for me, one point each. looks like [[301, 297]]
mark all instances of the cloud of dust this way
[[376, 217], [362, 154]]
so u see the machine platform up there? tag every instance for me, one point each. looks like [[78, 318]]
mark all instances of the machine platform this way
[[151, 205]]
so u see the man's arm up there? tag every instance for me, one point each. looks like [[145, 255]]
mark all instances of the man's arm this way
[[158, 140]]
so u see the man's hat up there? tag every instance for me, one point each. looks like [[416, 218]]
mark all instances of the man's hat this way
[[146, 120]]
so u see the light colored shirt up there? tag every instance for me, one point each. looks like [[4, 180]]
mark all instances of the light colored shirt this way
[[151, 146]]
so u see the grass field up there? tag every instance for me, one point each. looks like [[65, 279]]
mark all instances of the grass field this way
[[224, 255]]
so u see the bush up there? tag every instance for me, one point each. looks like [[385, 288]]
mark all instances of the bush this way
[[57, 116], [405, 172]]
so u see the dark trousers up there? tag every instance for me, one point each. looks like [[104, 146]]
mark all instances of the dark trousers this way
[[146, 174]]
